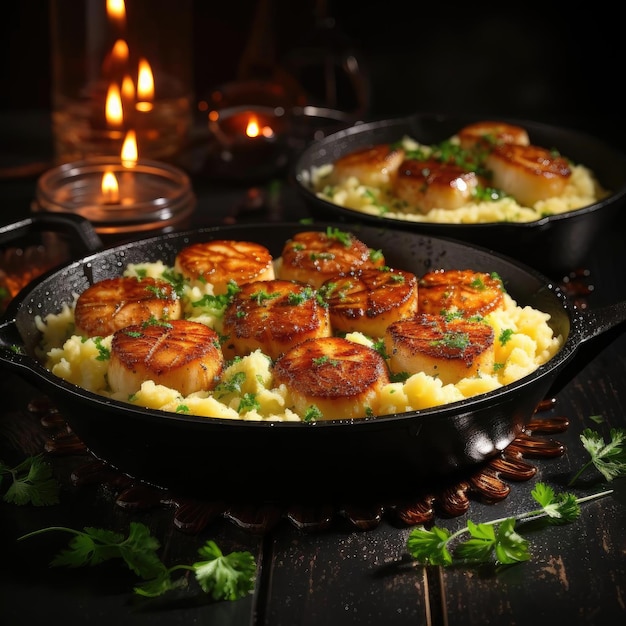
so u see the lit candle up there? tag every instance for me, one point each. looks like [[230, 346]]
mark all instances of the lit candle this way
[[250, 142], [115, 59], [129, 153], [110, 188], [118, 196], [113, 107], [253, 129]]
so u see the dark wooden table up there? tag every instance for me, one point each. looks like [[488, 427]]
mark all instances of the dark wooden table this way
[[329, 566]]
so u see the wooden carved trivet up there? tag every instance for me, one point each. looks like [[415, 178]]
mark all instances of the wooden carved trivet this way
[[488, 484]]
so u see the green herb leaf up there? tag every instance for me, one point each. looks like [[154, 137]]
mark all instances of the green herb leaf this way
[[430, 546], [481, 546], [496, 540], [510, 547], [560, 509], [89, 548], [32, 483], [608, 458], [225, 577]]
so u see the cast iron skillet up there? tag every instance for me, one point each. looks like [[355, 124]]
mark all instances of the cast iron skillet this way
[[553, 245], [380, 457]]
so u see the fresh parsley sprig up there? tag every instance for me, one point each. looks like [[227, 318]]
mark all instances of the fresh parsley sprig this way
[[608, 458], [32, 482], [496, 541], [225, 577]]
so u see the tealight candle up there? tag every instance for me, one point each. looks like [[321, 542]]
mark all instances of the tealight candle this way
[[118, 196], [249, 142]]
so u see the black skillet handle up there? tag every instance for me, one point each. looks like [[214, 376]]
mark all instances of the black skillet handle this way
[[84, 238], [597, 329]]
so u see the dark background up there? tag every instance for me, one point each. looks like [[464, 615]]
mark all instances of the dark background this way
[[559, 64]]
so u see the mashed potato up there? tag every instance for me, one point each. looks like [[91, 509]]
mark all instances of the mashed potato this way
[[582, 189], [246, 391]]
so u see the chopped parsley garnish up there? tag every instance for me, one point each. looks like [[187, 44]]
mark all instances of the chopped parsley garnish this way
[[233, 384], [505, 335], [261, 297], [340, 235], [312, 414], [322, 360], [248, 403], [452, 340], [104, 354]]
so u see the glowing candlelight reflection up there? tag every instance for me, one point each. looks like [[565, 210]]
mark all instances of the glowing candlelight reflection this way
[[129, 149], [120, 52], [145, 86], [128, 88], [116, 60], [113, 107], [116, 10], [110, 188]]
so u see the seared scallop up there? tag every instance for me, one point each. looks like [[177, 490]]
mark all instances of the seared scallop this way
[[528, 173], [221, 261], [373, 166], [114, 303], [315, 256], [180, 354], [331, 378], [463, 292], [273, 316], [368, 301], [431, 184], [446, 349], [489, 133]]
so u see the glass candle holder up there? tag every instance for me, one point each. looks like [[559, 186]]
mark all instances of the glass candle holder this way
[[118, 197], [120, 65]]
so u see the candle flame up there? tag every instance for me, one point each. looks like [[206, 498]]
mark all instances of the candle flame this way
[[128, 89], [116, 10], [145, 86], [116, 60], [113, 107], [252, 129], [110, 188], [129, 152], [119, 52]]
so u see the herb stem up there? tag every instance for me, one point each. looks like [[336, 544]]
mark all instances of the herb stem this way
[[536, 514], [41, 531], [577, 475]]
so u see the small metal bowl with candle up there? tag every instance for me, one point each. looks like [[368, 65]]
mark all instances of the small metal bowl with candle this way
[[250, 130], [247, 143]]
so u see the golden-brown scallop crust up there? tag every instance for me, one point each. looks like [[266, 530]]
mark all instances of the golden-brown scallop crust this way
[[314, 256], [180, 354], [337, 376], [368, 301], [114, 303], [273, 316]]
